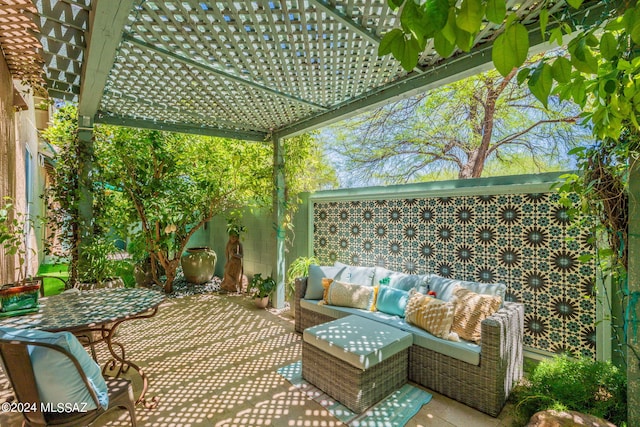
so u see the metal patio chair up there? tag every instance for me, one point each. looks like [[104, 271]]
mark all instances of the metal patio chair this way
[[14, 354]]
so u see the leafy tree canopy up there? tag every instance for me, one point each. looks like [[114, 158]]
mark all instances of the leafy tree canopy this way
[[160, 187], [455, 131], [599, 75]]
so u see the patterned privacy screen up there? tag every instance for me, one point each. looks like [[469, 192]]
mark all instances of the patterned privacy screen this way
[[524, 240]]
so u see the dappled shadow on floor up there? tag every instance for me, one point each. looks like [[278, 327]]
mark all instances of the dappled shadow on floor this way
[[211, 360]]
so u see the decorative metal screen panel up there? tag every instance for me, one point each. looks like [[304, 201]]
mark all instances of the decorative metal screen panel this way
[[523, 240]]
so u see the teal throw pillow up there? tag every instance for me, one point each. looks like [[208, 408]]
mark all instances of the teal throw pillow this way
[[392, 301], [57, 378]]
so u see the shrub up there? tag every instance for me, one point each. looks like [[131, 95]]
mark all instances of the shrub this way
[[590, 387]]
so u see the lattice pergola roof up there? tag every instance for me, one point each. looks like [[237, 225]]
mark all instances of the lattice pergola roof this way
[[18, 42], [240, 68]]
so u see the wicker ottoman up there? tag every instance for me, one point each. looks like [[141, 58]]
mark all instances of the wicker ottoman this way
[[356, 361]]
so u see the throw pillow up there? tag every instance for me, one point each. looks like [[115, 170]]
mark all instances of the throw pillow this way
[[444, 287], [471, 310], [358, 275], [314, 281], [392, 301], [433, 315], [351, 295], [326, 282], [57, 378]]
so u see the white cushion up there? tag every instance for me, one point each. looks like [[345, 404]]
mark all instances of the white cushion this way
[[57, 378]]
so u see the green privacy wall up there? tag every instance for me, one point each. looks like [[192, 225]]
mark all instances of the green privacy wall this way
[[524, 240]]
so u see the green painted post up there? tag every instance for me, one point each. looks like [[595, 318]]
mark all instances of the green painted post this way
[[85, 200], [279, 203], [633, 341]]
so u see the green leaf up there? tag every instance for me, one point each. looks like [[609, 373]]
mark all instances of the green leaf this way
[[510, 49], [635, 32], [390, 42], [449, 30], [561, 70], [443, 46], [395, 4], [544, 20], [464, 40], [574, 3], [410, 54], [608, 46], [436, 13], [470, 15], [610, 86], [414, 21], [541, 82], [579, 93], [584, 258], [500, 56], [496, 11], [522, 75], [556, 36]]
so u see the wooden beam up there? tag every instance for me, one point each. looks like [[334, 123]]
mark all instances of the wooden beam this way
[[107, 21], [182, 128], [347, 20]]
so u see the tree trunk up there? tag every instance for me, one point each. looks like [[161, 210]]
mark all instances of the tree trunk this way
[[170, 268]]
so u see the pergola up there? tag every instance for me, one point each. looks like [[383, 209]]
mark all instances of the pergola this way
[[252, 70]]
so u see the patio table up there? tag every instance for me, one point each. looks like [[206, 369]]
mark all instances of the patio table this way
[[94, 317]]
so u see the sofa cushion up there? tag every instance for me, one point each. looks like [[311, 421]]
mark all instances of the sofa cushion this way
[[471, 309], [392, 301], [443, 287], [350, 295], [356, 274], [314, 280], [395, 279], [431, 314], [464, 351], [358, 341]]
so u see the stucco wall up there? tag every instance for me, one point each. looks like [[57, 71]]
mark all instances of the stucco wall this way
[[7, 155]]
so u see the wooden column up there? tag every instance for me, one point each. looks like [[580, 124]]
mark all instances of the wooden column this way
[[279, 205]]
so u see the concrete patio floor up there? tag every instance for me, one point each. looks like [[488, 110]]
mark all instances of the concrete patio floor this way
[[212, 359]]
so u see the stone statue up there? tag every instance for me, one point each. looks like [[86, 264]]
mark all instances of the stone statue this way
[[233, 277]]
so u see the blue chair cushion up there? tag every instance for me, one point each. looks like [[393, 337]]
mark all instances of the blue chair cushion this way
[[57, 378]]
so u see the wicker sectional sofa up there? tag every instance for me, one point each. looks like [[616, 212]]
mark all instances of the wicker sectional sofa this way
[[478, 375]]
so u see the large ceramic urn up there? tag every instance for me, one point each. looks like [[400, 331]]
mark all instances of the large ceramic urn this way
[[198, 264]]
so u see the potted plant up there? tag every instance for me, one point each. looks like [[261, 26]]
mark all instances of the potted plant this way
[[298, 268], [21, 296], [97, 268], [261, 289]]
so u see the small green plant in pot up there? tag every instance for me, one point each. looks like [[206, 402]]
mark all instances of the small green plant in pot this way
[[261, 289], [97, 268], [12, 236], [298, 268], [21, 296]]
